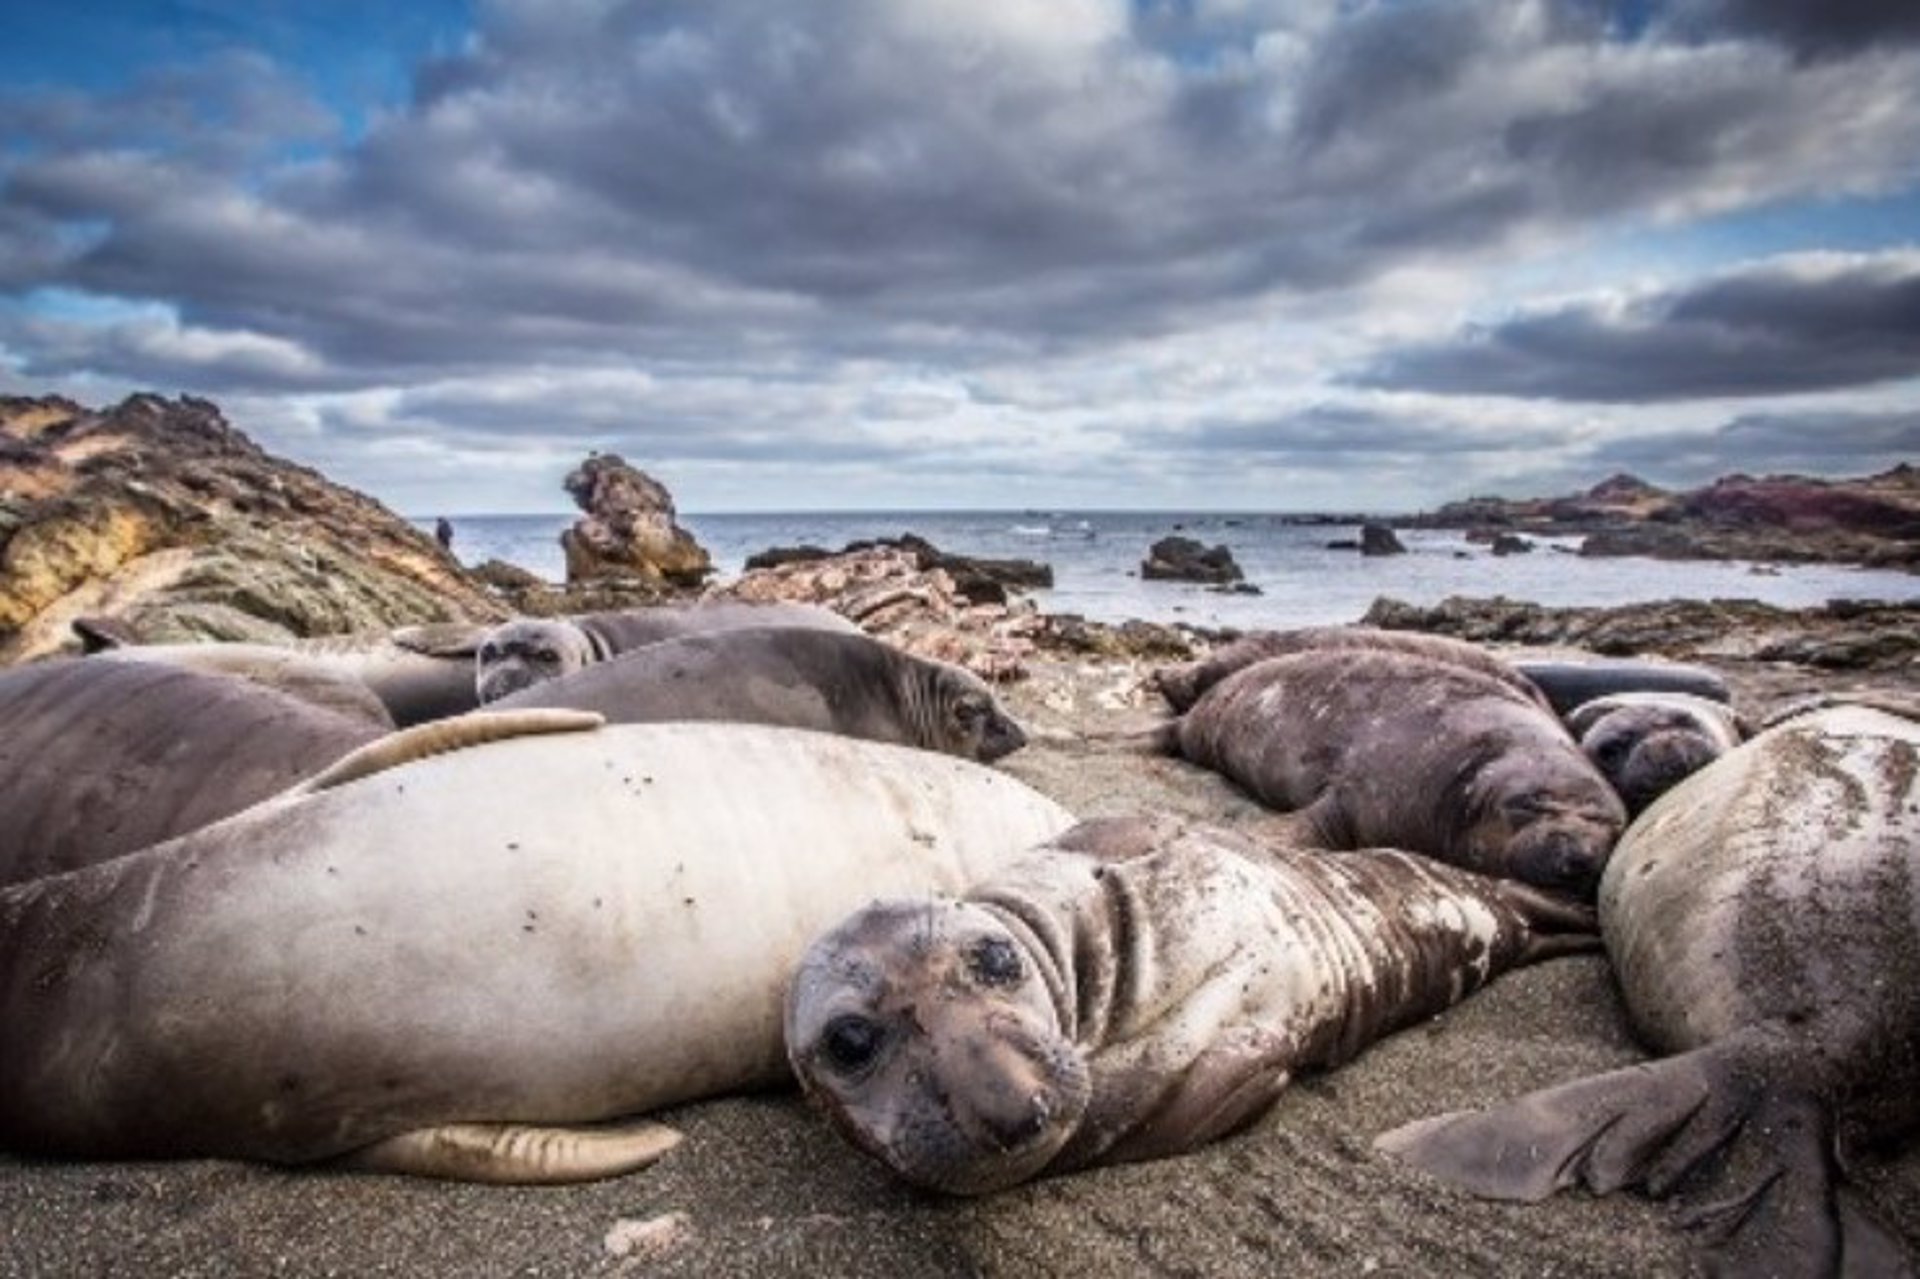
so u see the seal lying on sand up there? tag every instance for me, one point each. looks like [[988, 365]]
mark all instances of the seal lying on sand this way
[[1133, 991], [427, 959], [1646, 743], [1184, 684], [1391, 750], [102, 758], [418, 673], [1763, 919], [528, 651], [853, 685]]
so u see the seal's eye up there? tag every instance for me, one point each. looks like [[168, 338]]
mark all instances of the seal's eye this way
[[994, 962], [968, 712], [851, 1043], [1609, 752], [489, 653], [548, 656]]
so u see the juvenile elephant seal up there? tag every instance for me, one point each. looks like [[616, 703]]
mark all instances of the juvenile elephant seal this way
[[1391, 750], [1763, 919], [1184, 684], [529, 651], [425, 961], [102, 758], [1133, 991], [849, 684], [1644, 744]]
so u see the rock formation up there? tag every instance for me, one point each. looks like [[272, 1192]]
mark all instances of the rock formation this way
[[1378, 539], [981, 580], [1181, 559], [158, 513], [628, 529]]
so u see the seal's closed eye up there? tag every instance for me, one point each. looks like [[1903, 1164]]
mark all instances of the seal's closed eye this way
[[851, 1043]]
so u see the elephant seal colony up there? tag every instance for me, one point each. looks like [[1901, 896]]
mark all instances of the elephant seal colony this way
[[1133, 991], [529, 651], [100, 758], [1763, 920], [1645, 744], [463, 935], [850, 684], [1392, 750]]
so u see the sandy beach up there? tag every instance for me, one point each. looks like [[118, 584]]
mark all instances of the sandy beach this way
[[762, 1187]]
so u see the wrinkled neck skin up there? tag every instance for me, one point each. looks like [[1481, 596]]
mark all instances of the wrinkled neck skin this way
[[1195, 983]]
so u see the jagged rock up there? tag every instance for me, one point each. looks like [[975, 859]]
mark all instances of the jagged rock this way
[[775, 556], [1844, 635], [1511, 544], [628, 528], [1378, 539], [981, 580], [1182, 559], [159, 513], [1070, 633]]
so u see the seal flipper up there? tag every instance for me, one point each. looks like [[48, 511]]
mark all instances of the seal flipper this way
[[440, 639], [1663, 1126], [443, 736], [517, 1154]]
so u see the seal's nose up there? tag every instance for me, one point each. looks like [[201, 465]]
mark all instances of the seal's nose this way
[[1013, 1129], [1564, 861], [1003, 737]]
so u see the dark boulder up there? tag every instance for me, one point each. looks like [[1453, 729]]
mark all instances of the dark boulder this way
[[1181, 559]]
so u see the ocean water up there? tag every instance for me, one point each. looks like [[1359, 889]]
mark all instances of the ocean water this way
[[1096, 557]]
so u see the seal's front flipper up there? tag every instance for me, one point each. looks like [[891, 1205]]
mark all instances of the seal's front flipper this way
[[1696, 1123], [517, 1154], [442, 736]]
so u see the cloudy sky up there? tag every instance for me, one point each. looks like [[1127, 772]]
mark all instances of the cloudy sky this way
[[797, 254]]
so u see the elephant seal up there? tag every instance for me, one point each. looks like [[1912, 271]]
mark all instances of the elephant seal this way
[[100, 758], [424, 961], [1567, 683], [1645, 743], [416, 673], [1133, 991], [853, 685], [1763, 919], [528, 651], [1391, 750], [1182, 685]]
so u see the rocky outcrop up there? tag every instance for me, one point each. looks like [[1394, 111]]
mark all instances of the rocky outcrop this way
[[981, 580], [1378, 539], [1510, 544], [1845, 635], [1784, 518], [160, 514], [1182, 559], [628, 529]]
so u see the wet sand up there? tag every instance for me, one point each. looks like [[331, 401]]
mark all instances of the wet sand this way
[[762, 1187]]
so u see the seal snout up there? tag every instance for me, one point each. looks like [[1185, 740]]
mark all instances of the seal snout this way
[[1659, 763], [1002, 737], [1564, 858]]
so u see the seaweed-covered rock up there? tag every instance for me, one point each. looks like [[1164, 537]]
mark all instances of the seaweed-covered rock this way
[[628, 528], [161, 514]]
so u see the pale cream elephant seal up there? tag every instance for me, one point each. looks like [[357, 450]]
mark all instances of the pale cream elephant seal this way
[[1132, 991], [445, 952]]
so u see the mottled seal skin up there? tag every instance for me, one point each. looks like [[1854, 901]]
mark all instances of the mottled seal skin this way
[[99, 758], [1184, 684], [1763, 919], [1645, 744], [540, 930], [1134, 991], [528, 651], [850, 684], [1392, 750]]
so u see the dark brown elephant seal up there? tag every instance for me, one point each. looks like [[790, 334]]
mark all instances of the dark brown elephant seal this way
[[1134, 990], [1763, 919], [1184, 684], [850, 684], [527, 651], [1645, 744], [100, 758], [1391, 750]]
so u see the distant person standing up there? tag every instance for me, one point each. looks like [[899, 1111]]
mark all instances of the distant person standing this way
[[443, 533]]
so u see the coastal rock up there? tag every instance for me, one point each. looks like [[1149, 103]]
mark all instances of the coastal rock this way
[[158, 513], [1845, 635], [628, 528], [1378, 539], [1182, 559], [1511, 544], [981, 580], [886, 592]]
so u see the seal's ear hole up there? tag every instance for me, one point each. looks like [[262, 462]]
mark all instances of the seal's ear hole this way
[[851, 1043], [994, 962]]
